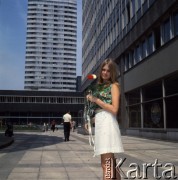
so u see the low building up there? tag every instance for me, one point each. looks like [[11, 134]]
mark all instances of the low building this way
[[37, 107]]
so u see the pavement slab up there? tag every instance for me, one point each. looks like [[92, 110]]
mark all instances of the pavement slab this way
[[46, 156]]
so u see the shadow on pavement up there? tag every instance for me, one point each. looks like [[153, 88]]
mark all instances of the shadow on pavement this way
[[24, 141]]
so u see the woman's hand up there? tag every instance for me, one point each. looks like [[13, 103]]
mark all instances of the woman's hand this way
[[91, 98], [86, 127], [114, 107]]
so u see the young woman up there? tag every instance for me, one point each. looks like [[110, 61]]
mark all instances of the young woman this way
[[107, 133]]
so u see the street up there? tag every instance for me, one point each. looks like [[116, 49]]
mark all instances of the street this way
[[45, 155]]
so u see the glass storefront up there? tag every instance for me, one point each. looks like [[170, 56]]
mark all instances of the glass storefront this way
[[152, 92], [134, 108], [171, 100], [153, 114], [172, 112], [134, 116], [159, 102]]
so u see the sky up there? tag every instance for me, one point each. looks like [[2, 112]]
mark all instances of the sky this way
[[13, 20]]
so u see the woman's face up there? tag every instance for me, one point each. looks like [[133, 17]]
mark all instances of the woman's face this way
[[105, 74]]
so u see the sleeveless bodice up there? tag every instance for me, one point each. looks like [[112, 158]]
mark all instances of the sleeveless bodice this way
[[103, 92]]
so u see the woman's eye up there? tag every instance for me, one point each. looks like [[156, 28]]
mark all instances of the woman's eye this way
[[105, 70]]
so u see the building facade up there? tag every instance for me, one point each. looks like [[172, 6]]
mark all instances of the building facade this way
[[141, 36], [78, 85], [51, 45], [37, 107]]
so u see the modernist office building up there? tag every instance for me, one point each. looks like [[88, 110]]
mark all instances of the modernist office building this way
[[51, 45], [37, 107], [141, 36]]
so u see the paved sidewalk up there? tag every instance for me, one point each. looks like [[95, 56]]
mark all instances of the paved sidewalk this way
[[45, 156]]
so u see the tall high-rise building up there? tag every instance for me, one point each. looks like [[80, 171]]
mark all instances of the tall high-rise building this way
[[51, 45], [142, 38]]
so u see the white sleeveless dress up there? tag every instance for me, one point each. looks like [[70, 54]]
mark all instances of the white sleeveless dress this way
[[107, 134]]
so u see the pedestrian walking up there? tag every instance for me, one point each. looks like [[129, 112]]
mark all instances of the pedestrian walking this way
[[67, 125], [44, 127], [105, 100], [73, 126], [47, 126], [53, 124]]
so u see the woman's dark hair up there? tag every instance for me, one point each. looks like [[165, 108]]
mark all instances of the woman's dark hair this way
[[113, 71]]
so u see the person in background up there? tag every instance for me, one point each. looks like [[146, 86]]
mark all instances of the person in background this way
[[53, 124], [47, 126], [106, 101], [44, 127], [67, 125], [73, 126]]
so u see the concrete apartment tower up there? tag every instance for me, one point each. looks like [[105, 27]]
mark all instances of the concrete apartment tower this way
[[51, 45]]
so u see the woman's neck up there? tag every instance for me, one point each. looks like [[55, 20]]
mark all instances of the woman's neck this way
[[106, 82]]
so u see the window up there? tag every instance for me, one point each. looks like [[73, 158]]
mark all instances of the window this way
[[124, 19], [38, 99], [128, 11], [139, 51], [133, 97], [150, 44], [144, 5], [46, 99], [166, 31], [153, 106], [172, 112], [119, 68], [131, 58], [136, 55], [153, 114], [52, 100], [171, 83], [144, 49], [175, 22], [16, 99], [157, 36], [134, 108], [59, 100], [134, 114], [24, 99], [9, 99], [126, 62], [138, 5], [133, 8], [152, 92], [2, 99]]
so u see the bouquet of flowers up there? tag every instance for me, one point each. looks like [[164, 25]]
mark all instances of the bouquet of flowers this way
[[100, 91]]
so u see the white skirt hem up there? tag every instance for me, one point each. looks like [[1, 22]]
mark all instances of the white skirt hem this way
[[104, 151]]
